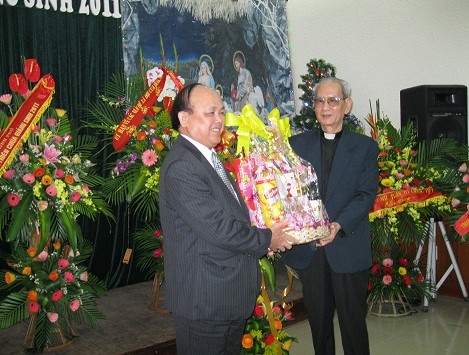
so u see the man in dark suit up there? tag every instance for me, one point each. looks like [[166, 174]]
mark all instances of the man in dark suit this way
[[212, 276], [334, 271]]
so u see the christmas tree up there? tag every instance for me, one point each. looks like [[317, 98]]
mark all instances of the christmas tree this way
[[306, 120]]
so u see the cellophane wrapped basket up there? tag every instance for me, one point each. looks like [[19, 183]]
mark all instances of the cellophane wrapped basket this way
[[275, 183]]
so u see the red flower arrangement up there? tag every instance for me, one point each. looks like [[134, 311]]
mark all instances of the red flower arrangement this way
[[393, 274]]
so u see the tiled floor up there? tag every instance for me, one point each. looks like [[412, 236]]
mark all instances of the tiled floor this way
[[131, 328], [444, 329]]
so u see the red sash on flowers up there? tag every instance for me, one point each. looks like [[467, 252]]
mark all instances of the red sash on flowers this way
[[462, 224], [133, 118], [397, 200], [23, 121]]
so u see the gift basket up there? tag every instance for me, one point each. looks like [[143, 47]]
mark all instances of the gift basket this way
[[276, 184]]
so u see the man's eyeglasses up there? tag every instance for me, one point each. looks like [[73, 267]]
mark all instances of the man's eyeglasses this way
[[331, 101]]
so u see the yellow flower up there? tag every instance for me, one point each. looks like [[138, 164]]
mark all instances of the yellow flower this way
[[26, 271], [286, 346], [46, 180], [402, 271], [37, 190], [60, 112], [76, 159], [386, 182], [9, 277]]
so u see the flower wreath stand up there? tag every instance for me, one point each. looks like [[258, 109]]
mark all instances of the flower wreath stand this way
[[61, 335], [46, 183], [395, 306], [155, 296]]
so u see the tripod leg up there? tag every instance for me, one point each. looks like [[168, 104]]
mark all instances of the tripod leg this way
[[454, 263], [431, 262], [418, 255]]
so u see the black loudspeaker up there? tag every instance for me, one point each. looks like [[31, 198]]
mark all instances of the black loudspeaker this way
[[437, 111]]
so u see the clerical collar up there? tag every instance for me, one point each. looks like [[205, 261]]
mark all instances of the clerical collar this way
[[331, 136]]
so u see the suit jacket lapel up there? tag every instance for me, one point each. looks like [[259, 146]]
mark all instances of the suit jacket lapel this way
[[214, 175]]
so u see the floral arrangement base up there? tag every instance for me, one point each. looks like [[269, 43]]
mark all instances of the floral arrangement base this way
[[61, 336], [156, 293], [395, 306]]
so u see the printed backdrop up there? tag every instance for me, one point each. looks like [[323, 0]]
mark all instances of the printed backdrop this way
[[247, 60]]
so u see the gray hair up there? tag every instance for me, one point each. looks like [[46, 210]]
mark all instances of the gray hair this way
[[346, 89]]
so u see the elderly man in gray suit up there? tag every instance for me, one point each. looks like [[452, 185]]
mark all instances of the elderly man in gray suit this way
[[212, 276]]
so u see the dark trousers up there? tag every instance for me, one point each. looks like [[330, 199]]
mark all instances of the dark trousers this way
[[208, 337], [325, 291]]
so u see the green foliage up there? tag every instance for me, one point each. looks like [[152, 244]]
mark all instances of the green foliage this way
[[149, 248], [12, 307]]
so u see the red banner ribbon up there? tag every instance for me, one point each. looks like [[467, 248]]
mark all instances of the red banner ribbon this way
[[23, 121], [133, 118], [398, 200], [462, 224], [131, 121]]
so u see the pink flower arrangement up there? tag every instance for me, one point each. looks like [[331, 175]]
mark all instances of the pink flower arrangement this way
[[149, 157], [84, 276], [74, 305], [68, 276], [461, 190], [57, 295], [37, 171], [147, 149], [387, 262], [6, 99], [43, 191], [43, 255], [63, 263], [53, 282], [387, 279], [13, 199], [52, 316]]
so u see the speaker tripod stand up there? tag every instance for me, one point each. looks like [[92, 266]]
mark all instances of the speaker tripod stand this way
[[431, 261]]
